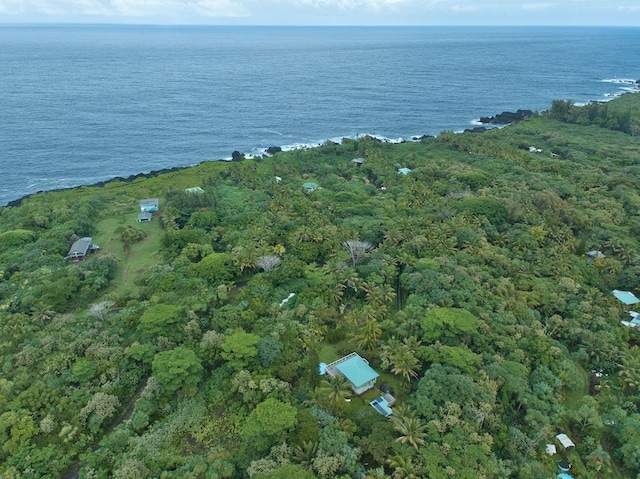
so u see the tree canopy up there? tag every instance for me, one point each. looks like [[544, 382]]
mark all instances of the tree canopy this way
[[191, 346]]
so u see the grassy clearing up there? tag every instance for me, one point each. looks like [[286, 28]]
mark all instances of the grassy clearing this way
[[138, 258], [328, 353], [574, 396]]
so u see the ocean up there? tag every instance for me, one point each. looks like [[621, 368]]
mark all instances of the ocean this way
[[83, 104]]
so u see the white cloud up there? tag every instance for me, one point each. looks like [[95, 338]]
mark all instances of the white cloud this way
[[427, 12], [628, 8], [125, 8], [369, 5], [537, 6]]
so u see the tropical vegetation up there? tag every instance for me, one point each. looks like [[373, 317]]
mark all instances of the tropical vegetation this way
[[189, 346]]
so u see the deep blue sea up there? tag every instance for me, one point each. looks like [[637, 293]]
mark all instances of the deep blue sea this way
[[82, 104]]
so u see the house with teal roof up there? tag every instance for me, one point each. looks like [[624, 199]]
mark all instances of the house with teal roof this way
[[626, 297], [310, 187], [356, 370]]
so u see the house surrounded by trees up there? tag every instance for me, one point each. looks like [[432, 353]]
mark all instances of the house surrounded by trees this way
[[356, 370], [81, 248]]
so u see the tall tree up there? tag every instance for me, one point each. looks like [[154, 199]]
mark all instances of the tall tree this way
[[176, 369], [357, 249]]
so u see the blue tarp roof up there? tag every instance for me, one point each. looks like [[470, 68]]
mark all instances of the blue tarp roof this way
[[564, 475], [626, 297], [357, 371]]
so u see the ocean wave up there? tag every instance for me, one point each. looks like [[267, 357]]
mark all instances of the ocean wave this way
[[262, 151], [619, 80]]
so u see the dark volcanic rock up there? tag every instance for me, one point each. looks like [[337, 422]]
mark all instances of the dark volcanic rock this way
[[476, 129], [507, 117], [101, 184], [237, 156], [272, 150], [421, 137]]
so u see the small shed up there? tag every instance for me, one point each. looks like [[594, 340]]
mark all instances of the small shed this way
[[551, 449], [81, 248], [626, 297], [404, 171], [357, 161], [565, 441], [382, 406], [595, 254], [356, 370], [144, 217], [149, 205]]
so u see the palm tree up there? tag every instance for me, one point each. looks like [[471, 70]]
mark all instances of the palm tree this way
[[377, 473], [348, 278], [630, 369], [403, 467], [387, 352], [42, 313], [336, 292], [411, 429], [402, 411], [412, 343], [336, 389], [368, 335], [388, 293], [305, 453], [405, 364]]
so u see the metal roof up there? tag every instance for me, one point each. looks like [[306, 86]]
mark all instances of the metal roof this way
[[80, 247], [564, 440], [626, 297], [357, 371]]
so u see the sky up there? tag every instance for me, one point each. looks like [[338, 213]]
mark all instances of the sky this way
[[325, 12]]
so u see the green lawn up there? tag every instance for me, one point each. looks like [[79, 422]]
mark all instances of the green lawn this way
[[138, 258], [328, 353]]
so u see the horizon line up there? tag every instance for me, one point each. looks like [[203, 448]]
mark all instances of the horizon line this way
[[292, 25]]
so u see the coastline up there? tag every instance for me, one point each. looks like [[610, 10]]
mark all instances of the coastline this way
[[484, 123]]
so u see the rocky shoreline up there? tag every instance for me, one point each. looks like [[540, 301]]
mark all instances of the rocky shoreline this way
[[505, 118], [501, 119]]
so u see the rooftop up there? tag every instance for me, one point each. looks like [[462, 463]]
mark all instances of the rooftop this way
[[564, 440], [626, 297], [356, 370], [382, 406]]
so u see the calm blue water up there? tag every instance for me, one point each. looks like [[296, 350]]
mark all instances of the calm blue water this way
[[81, 104]]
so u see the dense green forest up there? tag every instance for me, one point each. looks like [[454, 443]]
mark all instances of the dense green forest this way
[[189, 346]]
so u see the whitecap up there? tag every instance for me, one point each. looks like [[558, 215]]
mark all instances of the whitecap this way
[[618, 80]]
